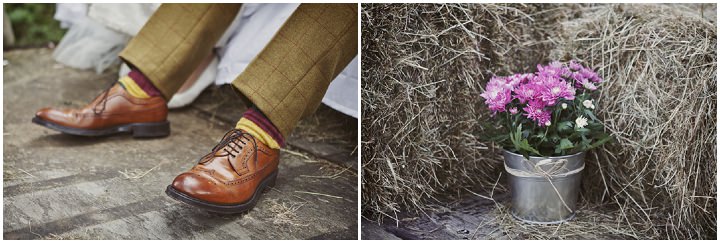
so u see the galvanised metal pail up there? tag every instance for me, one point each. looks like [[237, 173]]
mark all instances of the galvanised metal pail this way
[[544, 189]]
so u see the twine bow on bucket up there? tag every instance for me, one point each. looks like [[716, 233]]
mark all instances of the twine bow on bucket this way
[[556, 169]]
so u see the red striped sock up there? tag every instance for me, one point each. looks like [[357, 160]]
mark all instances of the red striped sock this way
[[254, 115], [144, 83]]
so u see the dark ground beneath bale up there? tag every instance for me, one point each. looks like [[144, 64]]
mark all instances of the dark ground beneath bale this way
[[471, 215]]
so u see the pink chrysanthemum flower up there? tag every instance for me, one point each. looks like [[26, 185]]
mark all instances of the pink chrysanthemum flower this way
[[518, 79], [538, 92], [554, 89], [528, 91], [497, 95], [574, 66], [586, 74], [586, 84], [586, 78], [535, 110], [504, 82], [511, 82], [554, 69], [591, 75]]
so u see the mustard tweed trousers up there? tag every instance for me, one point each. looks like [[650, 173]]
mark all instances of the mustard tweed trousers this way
[[286, 81]]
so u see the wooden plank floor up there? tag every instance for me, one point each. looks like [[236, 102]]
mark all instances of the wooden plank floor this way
[[57, 186]]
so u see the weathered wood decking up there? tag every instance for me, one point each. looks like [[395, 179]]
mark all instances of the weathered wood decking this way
[[57, 186]]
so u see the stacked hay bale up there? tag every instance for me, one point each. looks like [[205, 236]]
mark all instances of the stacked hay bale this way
[[660, 103], [424, 66]]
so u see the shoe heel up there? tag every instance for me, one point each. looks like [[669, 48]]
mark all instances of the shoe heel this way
[[149, 130], [270, 182]]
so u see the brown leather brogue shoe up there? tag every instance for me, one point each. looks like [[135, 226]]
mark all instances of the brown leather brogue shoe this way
[[230, 178], [113, 111]]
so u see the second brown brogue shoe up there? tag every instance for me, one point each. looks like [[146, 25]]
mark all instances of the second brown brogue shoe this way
[[113, 111], [231, 177]]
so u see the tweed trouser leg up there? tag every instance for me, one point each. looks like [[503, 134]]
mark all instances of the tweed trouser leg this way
[[289, 78], [286, 81], [175, 40]]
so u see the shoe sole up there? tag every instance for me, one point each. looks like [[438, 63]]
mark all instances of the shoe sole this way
[[138, 130], [266, 183]]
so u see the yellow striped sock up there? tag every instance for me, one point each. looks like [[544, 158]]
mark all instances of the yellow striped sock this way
[[257, 132], [132, 88]]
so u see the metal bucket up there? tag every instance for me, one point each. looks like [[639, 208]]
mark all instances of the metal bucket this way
[[544, 189]]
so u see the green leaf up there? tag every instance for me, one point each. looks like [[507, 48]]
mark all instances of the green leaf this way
[[554, 138], [566, 144], [526, 133], [594, 126], [605, 138], [590, 114], [522, 145], [582, 130], [564, 126], [514, 137], [498, 138]]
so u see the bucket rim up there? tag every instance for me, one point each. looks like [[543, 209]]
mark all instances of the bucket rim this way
[[543, 157]]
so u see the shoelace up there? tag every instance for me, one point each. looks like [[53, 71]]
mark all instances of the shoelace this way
[[105, 94], [233, 141]]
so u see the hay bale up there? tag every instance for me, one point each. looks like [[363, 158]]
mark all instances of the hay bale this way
[[660, 102], [424, 66]]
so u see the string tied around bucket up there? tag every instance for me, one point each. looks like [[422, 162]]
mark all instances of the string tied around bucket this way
[[556, 169]]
